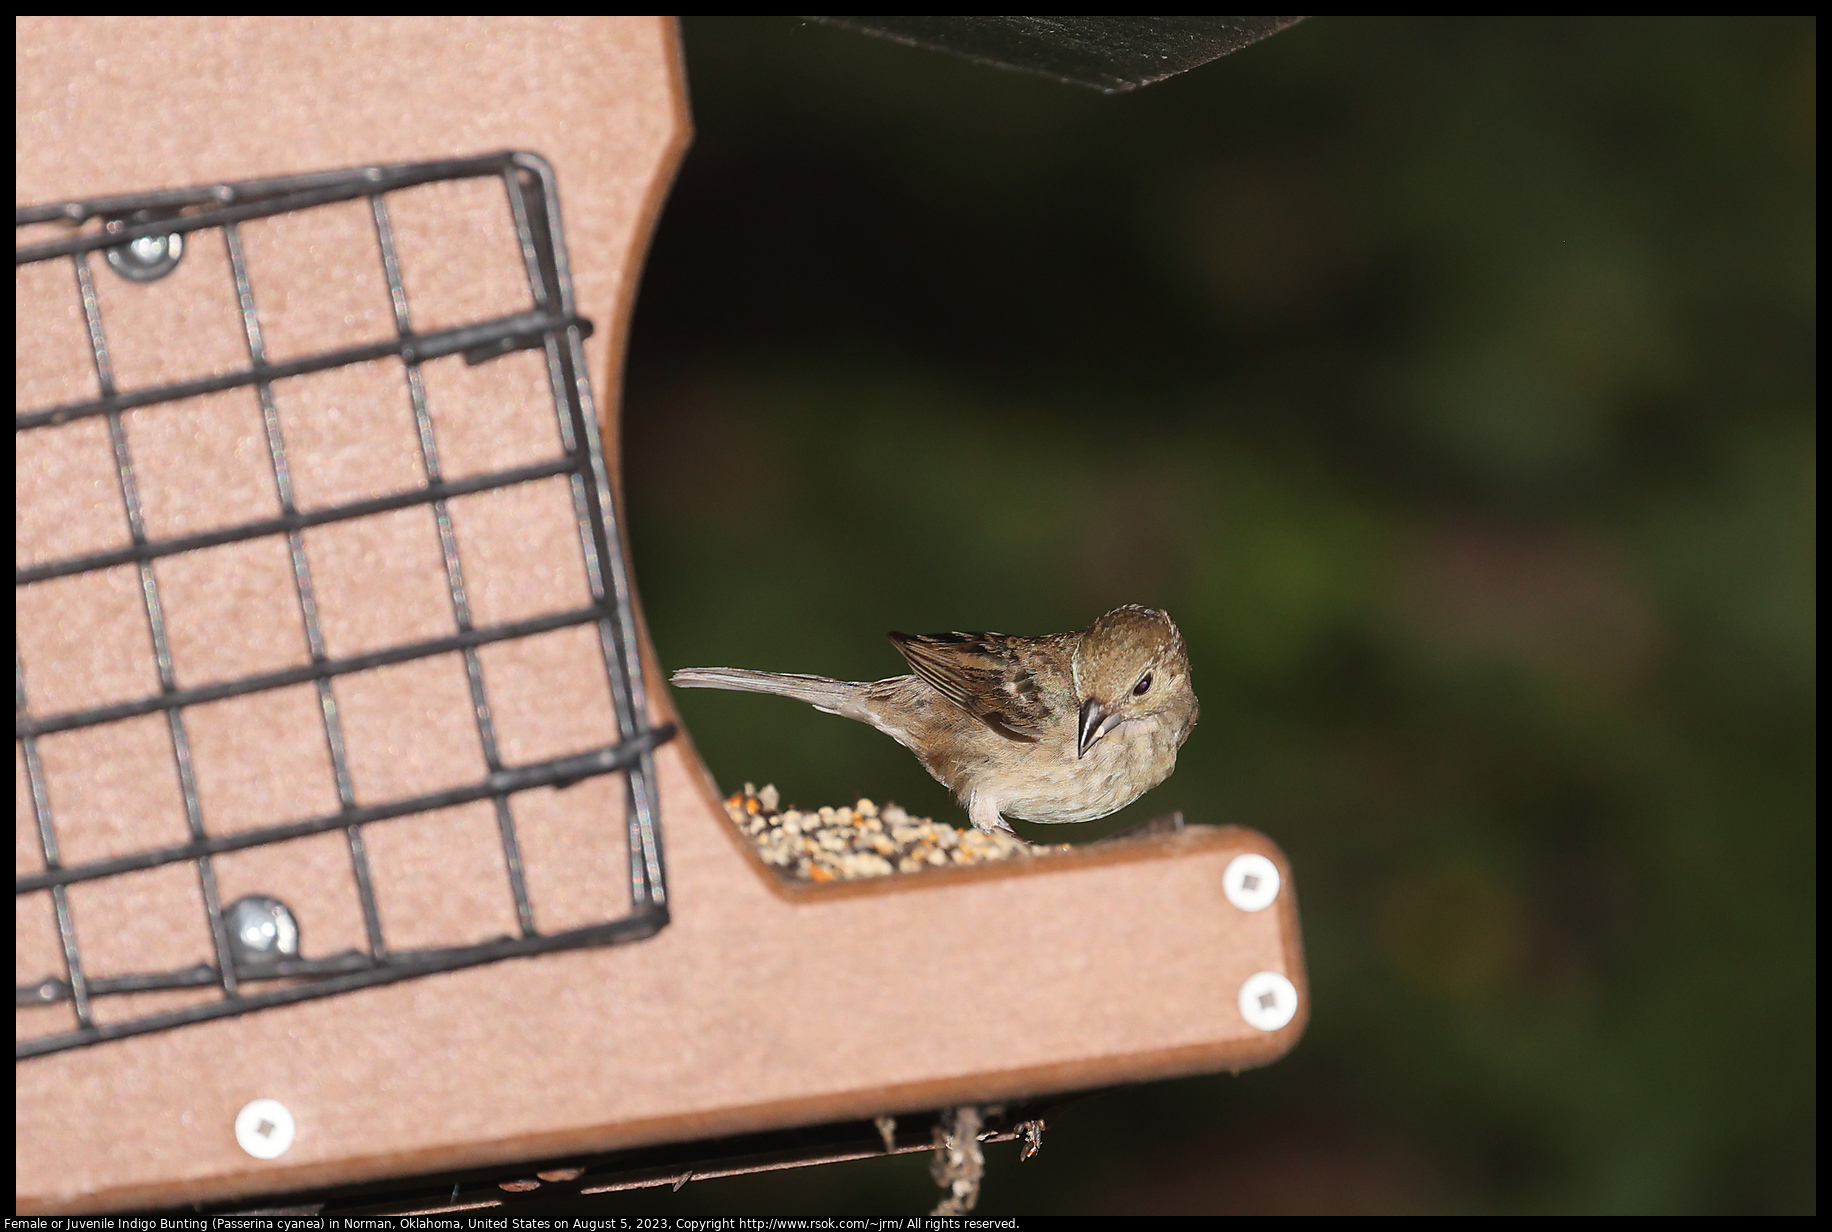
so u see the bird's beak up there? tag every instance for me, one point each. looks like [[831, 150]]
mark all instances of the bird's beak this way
[[1095, 723]]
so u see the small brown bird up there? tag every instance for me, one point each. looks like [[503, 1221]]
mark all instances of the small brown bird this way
[[1064, 728]]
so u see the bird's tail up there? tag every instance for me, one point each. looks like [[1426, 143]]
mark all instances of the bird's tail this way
[[842, 697]]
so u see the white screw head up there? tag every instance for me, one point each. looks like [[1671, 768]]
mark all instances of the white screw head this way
[[1268, 1000], [1251, 882], [264, 1128]]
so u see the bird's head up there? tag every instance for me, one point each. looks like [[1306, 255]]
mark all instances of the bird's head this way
[[1131, 664]]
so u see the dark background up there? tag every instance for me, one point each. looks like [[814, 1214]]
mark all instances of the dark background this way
[[1452, 384]]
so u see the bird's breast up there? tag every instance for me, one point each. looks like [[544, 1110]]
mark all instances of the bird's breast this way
[[1122, 766]]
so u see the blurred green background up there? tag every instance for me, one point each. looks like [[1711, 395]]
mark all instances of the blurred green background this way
[[1452, 384]]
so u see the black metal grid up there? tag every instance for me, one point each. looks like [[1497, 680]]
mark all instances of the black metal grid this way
[[552, 327]]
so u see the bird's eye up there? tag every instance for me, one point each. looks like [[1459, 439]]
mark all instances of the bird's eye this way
[[1139, 689]]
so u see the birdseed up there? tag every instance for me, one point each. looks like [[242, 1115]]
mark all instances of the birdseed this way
[[829, 844]]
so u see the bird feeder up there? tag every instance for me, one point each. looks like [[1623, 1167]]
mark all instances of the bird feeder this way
[[357, 837]]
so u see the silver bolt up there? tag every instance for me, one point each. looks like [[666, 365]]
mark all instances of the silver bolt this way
[[1267, 1000], [264, 1128], [1251, 882], [261, 929], [146, 259]]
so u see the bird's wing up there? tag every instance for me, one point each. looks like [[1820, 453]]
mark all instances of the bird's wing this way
[[983, 675]]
